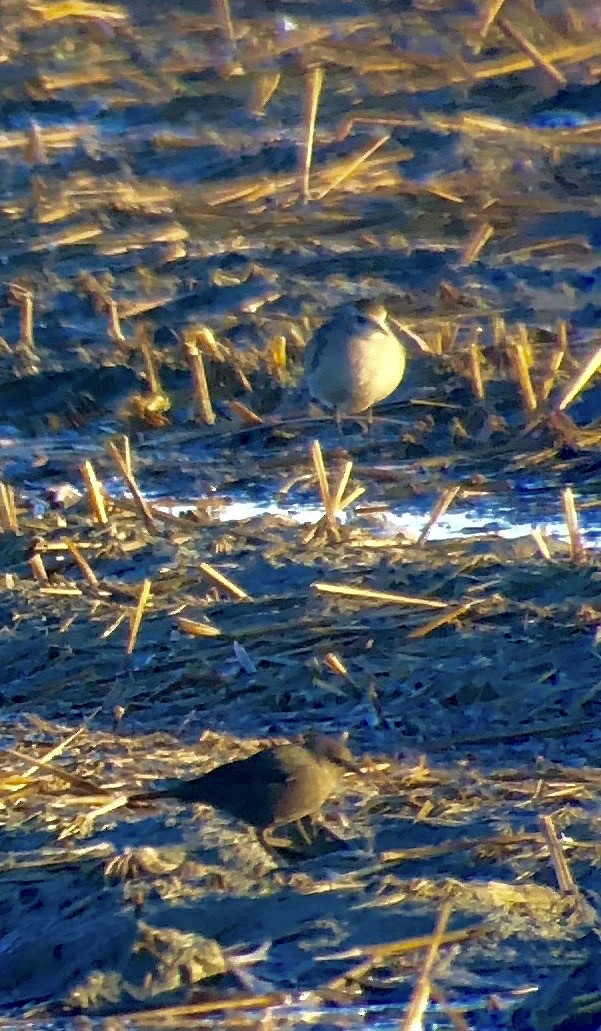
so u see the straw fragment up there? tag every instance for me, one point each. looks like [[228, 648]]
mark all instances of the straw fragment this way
[[421, 992], [475, 369], [586, 373], [577, 549], [565, 879], [138, 615], [456, 612], [517, 356], [222, 581], [199, 380], [313, 87], [543, 61], [475, 243], [365, 594], [94, 492], [136, 493], [85, 566], [196, 629], [8, 509], [439, 509]]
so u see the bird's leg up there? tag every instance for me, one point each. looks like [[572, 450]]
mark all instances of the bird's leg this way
[[302, 830]]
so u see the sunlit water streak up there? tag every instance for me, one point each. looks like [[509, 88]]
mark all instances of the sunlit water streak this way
[[482, 518]]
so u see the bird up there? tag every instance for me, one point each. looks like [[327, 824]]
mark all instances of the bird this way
[[354, 360], [272, 787]]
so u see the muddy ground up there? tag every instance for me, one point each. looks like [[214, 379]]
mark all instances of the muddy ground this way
[[154, 208]]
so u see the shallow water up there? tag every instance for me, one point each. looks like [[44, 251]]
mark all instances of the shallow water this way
[[150, 161]]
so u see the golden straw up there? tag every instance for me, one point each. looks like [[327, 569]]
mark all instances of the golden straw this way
[[141, 502], [385, 596], [421, 993], [577, 550], [222, 581], [441, 506], [138, 615], [199, 379], [95, 494], [313, 87], [588, 370]]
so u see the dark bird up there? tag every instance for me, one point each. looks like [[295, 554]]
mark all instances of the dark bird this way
[[354, 360], [276, 786]]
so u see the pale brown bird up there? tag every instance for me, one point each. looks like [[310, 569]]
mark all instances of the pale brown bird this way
[[273, 787], [354, 360]]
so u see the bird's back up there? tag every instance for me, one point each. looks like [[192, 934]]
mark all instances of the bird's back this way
[[275, 786], [353, 361]]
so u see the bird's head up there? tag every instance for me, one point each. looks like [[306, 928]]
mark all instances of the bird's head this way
[[331, 749]]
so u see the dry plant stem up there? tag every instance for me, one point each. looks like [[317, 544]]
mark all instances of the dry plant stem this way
[[476, 242], [84, 565], [223, 16], [520, 364], [577, 549], [222, 581], [385, 596], [358, 492], [499, 330], [95, 495], [126, 453], [62, 592], [441, 506], [589, 369], [114, 803], [264, 88], [171, 1014], [138, 615], [245, 414], [488, 16], [324, 524], [543, 62], [199, 379], [140, 501], [8, 509], [342, 484], [421, 993], [565, 880], [324, 487], [35, 150], [335, 663], [415, 853], [371, 954], [110, 629], [541, 543], [196, 629], [435, 624], [27, 319], [352, 166], [475, 366], [556, 360], [144, 343], [53, 753], [115, 331], [313, 87], [79, 783], [417, 340]]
